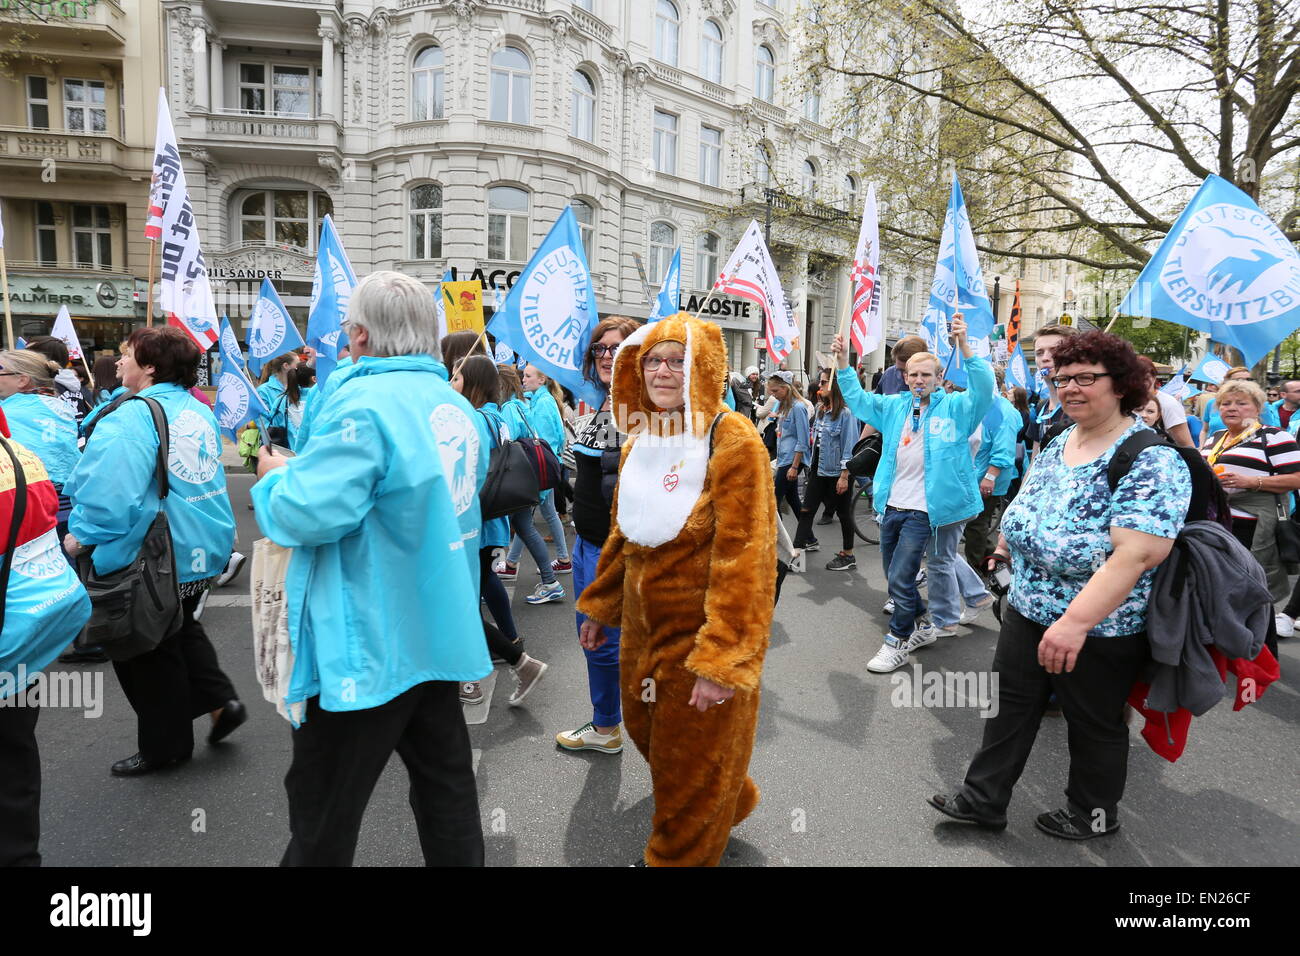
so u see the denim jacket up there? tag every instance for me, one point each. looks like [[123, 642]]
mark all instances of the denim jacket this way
[[836, 438], [792, 435]]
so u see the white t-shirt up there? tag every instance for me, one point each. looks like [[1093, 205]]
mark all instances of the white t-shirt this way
[[908, 489], [1171, 410]]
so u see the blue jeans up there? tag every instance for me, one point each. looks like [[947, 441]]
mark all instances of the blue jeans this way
[[602, 663], [526, 533], [950, 579], [903, 539], [552, 519]]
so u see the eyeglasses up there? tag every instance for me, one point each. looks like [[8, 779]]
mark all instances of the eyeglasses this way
[[652, 363], [1082, 379], [11, 373], [598, 350]]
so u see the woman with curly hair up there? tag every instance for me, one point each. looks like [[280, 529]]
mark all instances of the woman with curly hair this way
[[1083, 561]]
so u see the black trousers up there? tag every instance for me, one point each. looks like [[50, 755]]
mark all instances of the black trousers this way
[[171, 685], [1092, 699], [981, 532], [338, 757], [20, 787], [822, 489]]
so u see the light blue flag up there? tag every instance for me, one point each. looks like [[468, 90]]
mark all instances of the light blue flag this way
[[331, 289], [503, 354], [1179, 388], [1018, 374], [670, 291], [958, 286], [1211, 370], [549, 313], [1226, 269], [270, 330], [20, 342], [237, 401], [440, 304]]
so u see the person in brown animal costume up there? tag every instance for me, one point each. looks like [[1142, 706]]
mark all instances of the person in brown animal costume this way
[[689, 573]]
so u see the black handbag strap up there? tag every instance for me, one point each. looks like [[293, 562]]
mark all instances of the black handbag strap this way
[[164, 443], [15, 524]]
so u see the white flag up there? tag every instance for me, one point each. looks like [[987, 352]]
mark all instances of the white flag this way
[[866, 326], [64, 329], [185, 294], [750, 274], [2, 226]]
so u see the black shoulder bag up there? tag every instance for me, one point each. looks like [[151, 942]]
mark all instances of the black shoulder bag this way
[[134, 609], [512, 484], [15, 524]]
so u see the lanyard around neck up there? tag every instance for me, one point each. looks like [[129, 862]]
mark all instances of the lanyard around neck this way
[[1223, 445]]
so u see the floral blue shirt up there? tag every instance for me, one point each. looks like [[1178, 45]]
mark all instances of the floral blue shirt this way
[[1058, 528]]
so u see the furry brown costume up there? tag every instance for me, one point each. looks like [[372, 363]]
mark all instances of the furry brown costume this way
[[688, 572]]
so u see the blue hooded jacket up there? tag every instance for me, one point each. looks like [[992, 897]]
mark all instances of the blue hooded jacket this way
[[952, 490], [546, 418], [998, 444], [493, 431], [381, 509], [518, 418], [115, 494], [47, 427]]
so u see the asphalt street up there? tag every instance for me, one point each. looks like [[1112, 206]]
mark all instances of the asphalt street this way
[[843, 767]]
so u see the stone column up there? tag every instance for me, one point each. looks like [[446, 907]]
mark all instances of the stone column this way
[[799, 300], [199, 53], [328, 36], [217, 75]]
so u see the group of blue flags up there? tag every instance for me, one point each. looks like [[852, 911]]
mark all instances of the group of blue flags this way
[[237, 401], [331, 289]]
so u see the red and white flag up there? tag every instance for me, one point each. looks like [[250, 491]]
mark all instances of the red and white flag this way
[[65, 330], [185, 295], [750, 274], [866, 324]]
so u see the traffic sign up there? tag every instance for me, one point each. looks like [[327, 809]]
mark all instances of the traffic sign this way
[[760, 344]]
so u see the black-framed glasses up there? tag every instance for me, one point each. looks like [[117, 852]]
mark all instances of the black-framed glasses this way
[[1082, 379], [652, 363], [599, 350]]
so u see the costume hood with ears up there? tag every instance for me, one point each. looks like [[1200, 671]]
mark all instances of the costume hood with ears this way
[[663, 470], [705, 376]]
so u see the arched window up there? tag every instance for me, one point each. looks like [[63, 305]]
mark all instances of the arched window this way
[[584, 107], [663, 242], [512, 77], [909, 299], [426, 84], [812, 105], [711, 52], [706, 259], [667, 26], [764, 73], [808, 178], [762, 165], [851, 192], [507, 223], [283, 217], [586, 216], [426, 221]]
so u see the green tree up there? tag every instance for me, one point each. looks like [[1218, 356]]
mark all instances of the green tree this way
[[1160, 341]]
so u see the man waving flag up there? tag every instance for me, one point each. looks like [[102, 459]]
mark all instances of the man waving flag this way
[[184, 293]]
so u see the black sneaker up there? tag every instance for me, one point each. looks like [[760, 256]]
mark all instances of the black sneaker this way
[[842, 562], [825, 519], [1072, 826], [955, 806], [812, 546]]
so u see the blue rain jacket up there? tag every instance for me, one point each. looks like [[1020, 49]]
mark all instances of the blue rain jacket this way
[[115, 494], [792, 435], [493, 429], [838, 435], [47, 427], [998, 444], [518, 418], [546, 419], [952, 490], [319, 392], [106, 398], [45, 604], [281, 413], [381, 509]]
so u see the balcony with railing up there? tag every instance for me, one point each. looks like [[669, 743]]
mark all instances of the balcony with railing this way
[[28, 144], [259, 128], [94, 22], [792, 205]]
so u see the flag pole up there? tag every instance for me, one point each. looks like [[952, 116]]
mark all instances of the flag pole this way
[[4, 283], [148, 301], [712, 293]]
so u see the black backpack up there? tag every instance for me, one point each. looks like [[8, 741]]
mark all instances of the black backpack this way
[[1208, 502]]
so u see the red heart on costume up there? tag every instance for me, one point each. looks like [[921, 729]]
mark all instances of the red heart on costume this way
[[670, 482]]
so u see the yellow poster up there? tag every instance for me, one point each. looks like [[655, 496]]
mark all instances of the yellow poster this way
[[463, 302]]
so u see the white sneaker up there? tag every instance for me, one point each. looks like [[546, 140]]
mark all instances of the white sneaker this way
[[923, 636], [890, 657], [1285, 625], [232, 569], [889, 606], [941, 630], [203, 602], [921, 578], [972, 613]]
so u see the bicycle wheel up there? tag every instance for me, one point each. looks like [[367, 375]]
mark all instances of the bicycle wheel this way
[[864, 516]]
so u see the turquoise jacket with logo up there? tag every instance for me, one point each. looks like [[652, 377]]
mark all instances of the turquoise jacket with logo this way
[[952, 491], [546, 418], [46, 426], [381, 509], [282, 414], [998, 445], [517, 418], [115, 494], [319, 392]]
